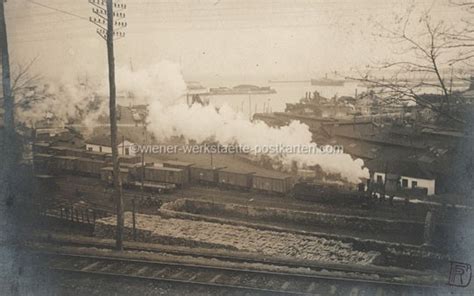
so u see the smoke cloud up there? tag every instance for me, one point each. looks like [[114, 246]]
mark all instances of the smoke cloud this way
[[69, 101], [162, 88]]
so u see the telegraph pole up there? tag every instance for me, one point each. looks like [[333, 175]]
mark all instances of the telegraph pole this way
[[108, 30]]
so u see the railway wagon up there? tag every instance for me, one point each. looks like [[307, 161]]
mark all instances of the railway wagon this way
[[107, 174], [185, 166], [272, 184], [42, 162], [58, 150], [165, 175], [134, 170], [63, 164], [235, 179], [75, 152], [130, 159], [205, 174], [102, 156], [41, 147], [89, 167]]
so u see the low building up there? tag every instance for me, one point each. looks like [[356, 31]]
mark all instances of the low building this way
[[102, 144], [402, 176]]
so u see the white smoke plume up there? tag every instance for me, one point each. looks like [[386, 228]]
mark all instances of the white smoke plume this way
[[61, 103], [162, 86]]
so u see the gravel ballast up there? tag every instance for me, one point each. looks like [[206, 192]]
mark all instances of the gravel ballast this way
[[152, 228]]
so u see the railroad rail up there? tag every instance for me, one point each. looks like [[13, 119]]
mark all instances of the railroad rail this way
[[247, 280], [87, 242]]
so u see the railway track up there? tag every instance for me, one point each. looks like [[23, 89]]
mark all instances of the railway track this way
[[246, 280], [86, 242]]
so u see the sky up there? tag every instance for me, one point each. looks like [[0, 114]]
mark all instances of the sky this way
[[215, 39]]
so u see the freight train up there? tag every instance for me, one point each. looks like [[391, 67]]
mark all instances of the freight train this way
[[134, 173]]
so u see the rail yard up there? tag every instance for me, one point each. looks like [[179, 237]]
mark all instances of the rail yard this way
[[237, 224], [224, 147]]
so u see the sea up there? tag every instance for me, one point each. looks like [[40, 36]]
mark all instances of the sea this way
[[286, 92]]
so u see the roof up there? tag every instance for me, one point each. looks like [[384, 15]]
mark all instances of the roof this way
[[234, 171], [130, 165], [105, 140], [447, 133], [46, 177], [207, 167], [42, 144], [97, 153], [53, 131], [66, 157], [58, 148], [89, 160], [122, 170], [164, 169], [272, 176], [405, 168], [178, 163], [43, 155]]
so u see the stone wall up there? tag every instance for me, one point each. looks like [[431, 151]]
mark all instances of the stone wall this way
[[278, 215]]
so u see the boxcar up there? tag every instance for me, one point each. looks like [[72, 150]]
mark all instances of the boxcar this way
[[95, 155], [89, 167], [42, 162], [130, 159], [134, 170], [75, 152], [272, 184], [165, 175], [107, 173], [235, 179], [204, 174], [41, 147], [58, 150], [185, 166], [64, 164]]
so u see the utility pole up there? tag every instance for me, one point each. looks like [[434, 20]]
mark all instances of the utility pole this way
[[9, 106], [108, 29]]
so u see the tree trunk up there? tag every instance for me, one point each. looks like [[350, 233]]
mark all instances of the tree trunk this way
[[9, 135]]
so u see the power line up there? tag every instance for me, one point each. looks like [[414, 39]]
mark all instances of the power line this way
[[59, 10]]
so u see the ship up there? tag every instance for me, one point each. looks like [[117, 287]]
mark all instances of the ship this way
[[242, 89], [194, 87], [327, 82]]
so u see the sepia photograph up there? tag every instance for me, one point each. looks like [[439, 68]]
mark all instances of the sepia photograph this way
[[236, 147]]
